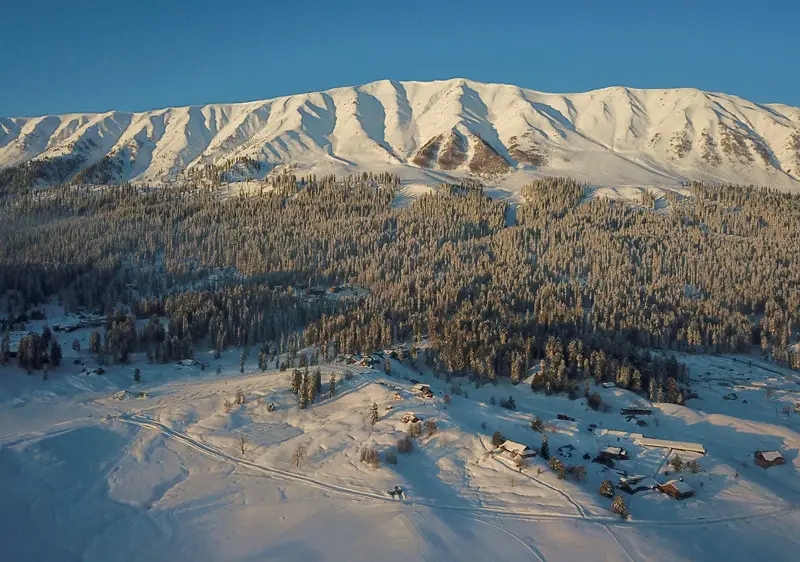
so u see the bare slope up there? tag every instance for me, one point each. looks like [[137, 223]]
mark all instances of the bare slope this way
[[427, 129]]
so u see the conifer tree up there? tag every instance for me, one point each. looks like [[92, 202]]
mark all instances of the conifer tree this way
[[619, 507], [311, 388], [5, 349], [55, 353], [517, 369], [303, 392], [94, 342], [317, 379]]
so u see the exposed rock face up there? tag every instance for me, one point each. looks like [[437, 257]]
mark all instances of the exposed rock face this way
[[485, 160], [454, 153], [429, 153]]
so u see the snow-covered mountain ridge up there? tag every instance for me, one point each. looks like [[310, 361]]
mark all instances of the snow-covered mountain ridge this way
[[425, 131]]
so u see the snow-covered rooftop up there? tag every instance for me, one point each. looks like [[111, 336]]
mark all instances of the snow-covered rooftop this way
[[770, 456], [666, 444], [681, 486], [600, 431], [513, 447], [613, 450]]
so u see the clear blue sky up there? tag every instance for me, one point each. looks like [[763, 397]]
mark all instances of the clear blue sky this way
[[93, 55]]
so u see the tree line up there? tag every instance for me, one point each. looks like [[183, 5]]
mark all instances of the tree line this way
[[581, 286]]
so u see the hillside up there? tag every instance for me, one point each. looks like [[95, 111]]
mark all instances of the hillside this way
[[92, 470], [425, 132]]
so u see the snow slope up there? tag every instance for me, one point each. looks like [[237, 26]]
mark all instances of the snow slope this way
[[427, 131], [87, 476]]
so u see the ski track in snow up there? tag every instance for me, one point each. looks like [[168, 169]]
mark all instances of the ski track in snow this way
[[286, 475]]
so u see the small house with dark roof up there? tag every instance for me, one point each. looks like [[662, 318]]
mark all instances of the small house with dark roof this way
[[678, 489], [766, 459], [515, 449]]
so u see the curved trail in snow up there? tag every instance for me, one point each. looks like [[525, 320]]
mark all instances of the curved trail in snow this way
[[528, 547], [290, 476]]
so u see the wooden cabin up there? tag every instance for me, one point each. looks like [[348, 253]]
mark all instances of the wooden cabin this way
[[422, 390], [515, 449], [766, 459], [678, 489]]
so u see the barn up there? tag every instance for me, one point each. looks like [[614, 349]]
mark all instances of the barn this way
[[766, 459], [675, 445]]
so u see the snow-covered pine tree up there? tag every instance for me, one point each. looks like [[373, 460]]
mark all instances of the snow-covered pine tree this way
[[619, 507], [302, 395], [318, 381], [5, 349], [311, 388], [517, 369], [55, 353], [545, 452], [297, 380], [94, 342]]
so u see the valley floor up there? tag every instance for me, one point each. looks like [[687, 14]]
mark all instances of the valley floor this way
[[85, 475]]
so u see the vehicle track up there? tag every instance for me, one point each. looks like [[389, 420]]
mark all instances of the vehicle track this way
[[289, 476]]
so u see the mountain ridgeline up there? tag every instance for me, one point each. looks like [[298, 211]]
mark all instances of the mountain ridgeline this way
[[427, 131]]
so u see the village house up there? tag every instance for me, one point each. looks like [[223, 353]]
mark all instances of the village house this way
[[766, 459], [614, 453], [601, 432], [636, 411], [514, 449], [636, 483], [678, 489], [423, 390]]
